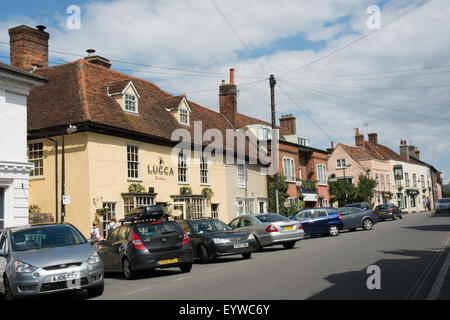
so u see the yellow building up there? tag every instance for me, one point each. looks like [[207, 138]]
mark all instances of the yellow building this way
[[121, 154]]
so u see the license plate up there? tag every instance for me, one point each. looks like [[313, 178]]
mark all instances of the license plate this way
[[382, 212], [169, 261], [288, 228], [65, 277], [241, 245]]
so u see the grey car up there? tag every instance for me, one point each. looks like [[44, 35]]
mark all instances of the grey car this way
[[354, 218], [270, 229], [43, 259], [443, 205]]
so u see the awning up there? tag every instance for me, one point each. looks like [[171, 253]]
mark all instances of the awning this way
[[310, 197]]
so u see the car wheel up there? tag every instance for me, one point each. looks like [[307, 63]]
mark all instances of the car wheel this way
[[333, 230], [367, 224], [204, 256], [96, 291], [259, 247], [8, 292], [394, 217], [127, 269], [288, 245], [400, 216], [247, 255], [185, 268]]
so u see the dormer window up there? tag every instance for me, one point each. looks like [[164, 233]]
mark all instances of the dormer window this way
[[184, 116], [130, 103]]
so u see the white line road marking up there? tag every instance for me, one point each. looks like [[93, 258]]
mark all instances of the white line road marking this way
[[184, 278], [217, 269], [137, 291], [438, 284]]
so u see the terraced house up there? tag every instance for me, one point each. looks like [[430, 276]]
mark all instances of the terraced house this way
[[116, 133]]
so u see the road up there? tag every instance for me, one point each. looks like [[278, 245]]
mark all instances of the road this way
[[410, 253]]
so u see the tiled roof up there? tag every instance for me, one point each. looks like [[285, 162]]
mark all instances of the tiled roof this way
[[243, 121], [118, 87], [77, 92]]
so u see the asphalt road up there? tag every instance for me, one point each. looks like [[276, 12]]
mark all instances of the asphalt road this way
[[410, 253]]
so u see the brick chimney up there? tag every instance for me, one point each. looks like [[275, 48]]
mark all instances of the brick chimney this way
[[359, 138], [373, 138], [95, 59], [289, 123], [29, 47], [404, 150], [228, 99]]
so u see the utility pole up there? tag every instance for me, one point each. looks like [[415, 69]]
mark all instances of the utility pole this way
[[272, 83]]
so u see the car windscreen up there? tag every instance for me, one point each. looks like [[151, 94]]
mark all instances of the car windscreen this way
[[353, 205], [271, 218], [208, 226], [444, 200], [147, 230], [382, 207], [46, 237]]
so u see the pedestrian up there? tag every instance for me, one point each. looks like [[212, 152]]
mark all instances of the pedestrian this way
[[429, 204], [95, 234], [111, 226]]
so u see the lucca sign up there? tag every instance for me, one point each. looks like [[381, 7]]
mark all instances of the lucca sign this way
[[160, 170]]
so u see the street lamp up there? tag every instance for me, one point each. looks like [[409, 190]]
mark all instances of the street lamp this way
[[71, 129]]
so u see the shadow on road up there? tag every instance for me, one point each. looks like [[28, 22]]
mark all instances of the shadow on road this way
[[400, 279], [437, 227]]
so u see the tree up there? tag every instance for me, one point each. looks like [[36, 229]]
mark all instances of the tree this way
[[366, 189], [343, 192], [282, 195]]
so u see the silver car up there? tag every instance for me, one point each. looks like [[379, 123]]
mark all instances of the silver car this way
[[443, 205], [270, 229], [43, 259]]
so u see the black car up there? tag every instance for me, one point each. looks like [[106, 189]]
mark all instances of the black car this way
[[354, 218], [144, 243], [360, 205], [388, 211], [212, 238]]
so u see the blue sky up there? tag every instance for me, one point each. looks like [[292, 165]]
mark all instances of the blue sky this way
[[283, 35]]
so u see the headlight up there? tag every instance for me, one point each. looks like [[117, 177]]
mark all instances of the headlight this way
[[94, 258], [220, 241], [251, 237], [21, 267]]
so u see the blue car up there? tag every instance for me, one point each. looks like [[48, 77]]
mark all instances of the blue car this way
[[320, 221]]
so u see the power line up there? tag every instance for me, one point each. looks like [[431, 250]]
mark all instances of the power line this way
[[401, 15], [381, 88], [216, 5], [372, 104], [376, 116]]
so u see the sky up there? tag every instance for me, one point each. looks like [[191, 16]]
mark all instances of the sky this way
[[394, 82]]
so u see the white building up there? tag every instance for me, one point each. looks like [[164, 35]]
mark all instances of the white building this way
[[15, 85]]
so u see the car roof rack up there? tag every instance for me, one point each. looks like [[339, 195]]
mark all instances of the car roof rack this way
[[145, 213]]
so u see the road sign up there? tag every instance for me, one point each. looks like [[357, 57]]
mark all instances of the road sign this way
[[66, 200]]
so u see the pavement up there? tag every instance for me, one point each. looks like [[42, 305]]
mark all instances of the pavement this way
[[410, 254]]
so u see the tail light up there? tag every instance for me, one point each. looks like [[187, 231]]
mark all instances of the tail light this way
[[137, 242], [271, 228], [390, 210], [185, 238], [300, 227], [339, 216]]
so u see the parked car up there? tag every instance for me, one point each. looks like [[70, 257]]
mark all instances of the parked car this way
[[43, 259], [145, 242], [320, 221], [388, 211], [270, 229], [443, 205], [354, 218], [212, 238], [361, 205]]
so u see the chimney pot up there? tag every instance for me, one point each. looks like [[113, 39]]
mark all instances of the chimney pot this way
[[231, 76], [41, 27], [289, 123], [29, 47]]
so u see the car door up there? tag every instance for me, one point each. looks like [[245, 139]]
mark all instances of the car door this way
[[246, 225], [119, 247], [3, 260], [320, 224], [305, 217], [346, 218], [106, 251]]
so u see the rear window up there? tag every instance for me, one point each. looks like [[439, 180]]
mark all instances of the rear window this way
[[271, 218], [444, 200], [46, 237], [147, 230], [382, 207], [208, 226]]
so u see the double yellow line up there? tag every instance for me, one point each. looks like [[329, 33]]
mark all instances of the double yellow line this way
[[418, 285]]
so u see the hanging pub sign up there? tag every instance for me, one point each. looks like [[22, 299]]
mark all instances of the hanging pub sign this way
[[398, 172]]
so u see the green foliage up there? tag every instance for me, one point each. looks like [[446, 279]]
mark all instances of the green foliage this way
[[208, 193], [136, 188], [366, 189], [36, 217], [308, 186], [446, 194], [282, 194], [186, 190], [344, 192]]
